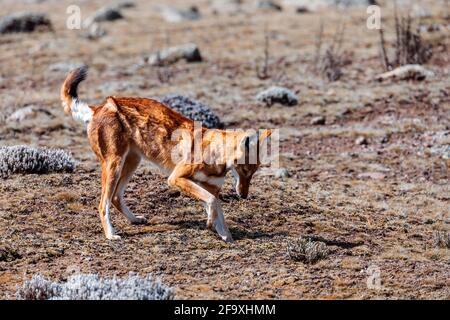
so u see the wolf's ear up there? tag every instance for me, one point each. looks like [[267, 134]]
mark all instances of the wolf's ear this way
[[246, 144], [264, 135]]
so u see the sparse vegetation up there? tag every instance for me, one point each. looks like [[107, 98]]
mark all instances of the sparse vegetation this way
[[409, 46], [330, 64], [8, 254], [93, 287], [24, 22], [306, 250], [24, 159], [263, 71], [442, 239]]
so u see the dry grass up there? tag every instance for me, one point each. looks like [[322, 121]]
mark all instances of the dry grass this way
[[442, 239], [409, 46]]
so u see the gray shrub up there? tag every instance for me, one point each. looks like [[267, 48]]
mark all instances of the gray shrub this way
[[93, 287], [24, 22], [192, 109], [188, 52], [307, 251], [280, 95], [24, 159], [104, 14]]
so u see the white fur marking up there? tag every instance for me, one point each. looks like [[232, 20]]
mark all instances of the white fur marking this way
[[109, 228], [217, 181], [81, 111], [237, 179]]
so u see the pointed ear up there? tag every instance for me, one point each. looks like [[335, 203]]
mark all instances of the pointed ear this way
[[264, 135], [244, 143]]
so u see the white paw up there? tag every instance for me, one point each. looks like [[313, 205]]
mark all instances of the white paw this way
[[227, 238], [113, 237]]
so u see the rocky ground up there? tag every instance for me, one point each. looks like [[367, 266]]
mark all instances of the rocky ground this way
[[367, 161]]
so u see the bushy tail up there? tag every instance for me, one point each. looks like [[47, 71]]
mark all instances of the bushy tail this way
[[69, 95]]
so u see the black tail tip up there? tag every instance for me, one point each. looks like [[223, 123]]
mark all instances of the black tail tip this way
[[80, 73]]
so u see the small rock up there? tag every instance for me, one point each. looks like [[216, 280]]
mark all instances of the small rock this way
[[372, 175], [280, 95], [173, 193], [188, 52], [282, 173], [124, 5], [302, 9], [434, 27], [31, 117], [320, 120], [95, 31], [175, 15], [24, 22], [361, 141], [268, 5], [407, 72], [27, 113], [104, 14], [385, 138], [324, 4]]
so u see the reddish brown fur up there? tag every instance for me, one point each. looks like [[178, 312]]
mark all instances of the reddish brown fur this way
[[122, 130]]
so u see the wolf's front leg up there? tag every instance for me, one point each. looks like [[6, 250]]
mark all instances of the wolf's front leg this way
[[215, 215], [216, 220]]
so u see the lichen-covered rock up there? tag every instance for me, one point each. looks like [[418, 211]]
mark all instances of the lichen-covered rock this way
[[323, 4], [93, 287], [280, 95], [319, 120], [24, 159], [95, 31], [175, 15], [188, 52], [192, 109], [28, 112], [124, 5], [282, 173], [268, 5], [104, 14], [407, 72], [24, 22]]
